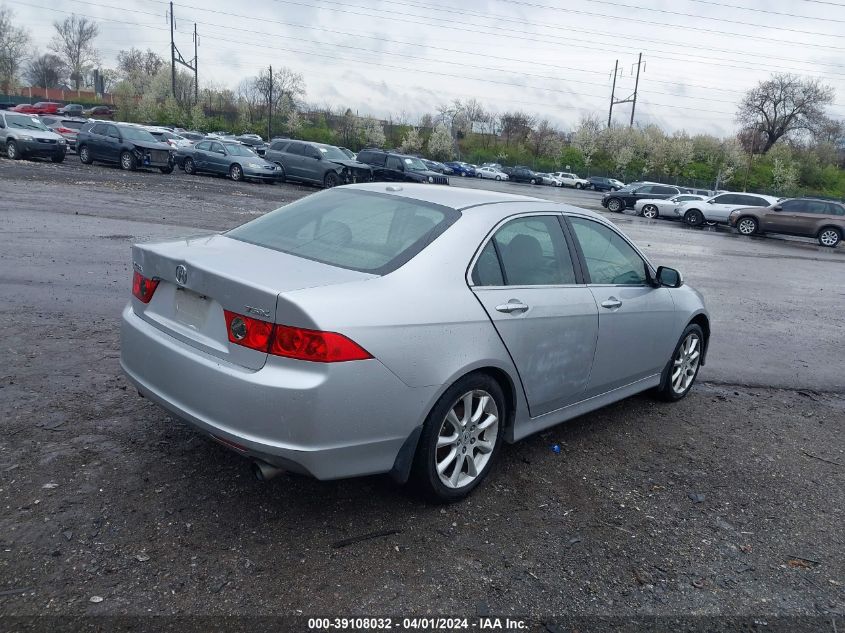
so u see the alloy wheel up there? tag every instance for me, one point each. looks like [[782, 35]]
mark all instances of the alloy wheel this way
[[829, 237], [747, 226], [614, 205], [650, 211], [685, 364], [126, 160], [466, 439]]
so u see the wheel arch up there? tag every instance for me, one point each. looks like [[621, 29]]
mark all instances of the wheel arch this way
[[836, 228], [703, 322]]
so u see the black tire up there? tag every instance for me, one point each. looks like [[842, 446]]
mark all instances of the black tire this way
[[694, 217], [829, 237], [746, 225], [85, 155], [666, 391], [650, 211], [578, 185], [424, 471], [128, 162], [498, 177], [533, 181], [331, 180], [236, 173], [282, 175], [463, 174], [166, 170], [12, 151], [58, 158], [616, 205], [189, 166]]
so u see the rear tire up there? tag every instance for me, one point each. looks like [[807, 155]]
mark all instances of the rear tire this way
[[533, 181], [578, 185], [747, 226], [282, 175], [236, 173], [694, 217], [449, 432], [650, 211], [128, 161], [498, 177], [85, 155], [189, 166], [681, 371], [12, 151], [829, 236]]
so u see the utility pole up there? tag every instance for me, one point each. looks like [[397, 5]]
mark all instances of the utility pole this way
[[176, 57], [632, 99], [612, 93], [270, 107], [196, 66], [636, 86]]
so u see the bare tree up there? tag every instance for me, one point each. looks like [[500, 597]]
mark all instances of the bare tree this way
[[287, 89], [516, 126], [45, 71], [784, 105], [542, 139], [138, 66], [74, 41], [14, 42]]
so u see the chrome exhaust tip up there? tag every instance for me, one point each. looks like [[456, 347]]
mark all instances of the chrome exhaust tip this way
[[264, 471]]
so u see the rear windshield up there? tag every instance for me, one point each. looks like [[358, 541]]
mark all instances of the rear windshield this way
[[359, 230], [74, 125]]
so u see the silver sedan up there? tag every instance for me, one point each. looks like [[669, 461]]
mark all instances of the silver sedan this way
[[408, 330]]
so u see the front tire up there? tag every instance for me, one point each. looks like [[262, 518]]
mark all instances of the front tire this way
[[236, 173], [128, 161], [282, 175], [461, 438], [650, 211], [578, 185], [615, 205], [189, 166], [85, 155], [747, 226], [533, 181], [166, 170], [682, 369], [829, 237], [331, 180], [694, 217], [12, 151], [58, 158]]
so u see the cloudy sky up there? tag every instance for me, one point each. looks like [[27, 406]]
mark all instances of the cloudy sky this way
[[550, 58]]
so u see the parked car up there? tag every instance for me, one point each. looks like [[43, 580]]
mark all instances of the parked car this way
[[25, 135], [568, 179], [491, 173], [65, 126], [24, 108], [805, 217], [395, 167], [707, 193], [434, 165], [493, 165], [521, 173], [99, 112], [548, 179], [349, 153], [171, 138], [41, 107], [655, 207], [414, 330], [192, 136], [71, 109], [599, 183], [129, 146], [461, 169], [254, 142], [316, 163], [227, 158], [626, 198], [718, 209]]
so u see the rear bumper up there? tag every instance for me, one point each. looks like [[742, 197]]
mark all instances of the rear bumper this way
[[326, 420]]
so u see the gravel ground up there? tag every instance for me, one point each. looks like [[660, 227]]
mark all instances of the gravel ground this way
[[727, 503]]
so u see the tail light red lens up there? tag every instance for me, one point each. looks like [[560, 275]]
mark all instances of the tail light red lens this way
[[64, 130], [252, 333], [292, 342], [143, 288], [320, 347]]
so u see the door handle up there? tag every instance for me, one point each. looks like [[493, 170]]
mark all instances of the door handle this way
[[611, 303], [512, 306]]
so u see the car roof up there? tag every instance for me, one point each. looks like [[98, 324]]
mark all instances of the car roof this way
[[453, 197]]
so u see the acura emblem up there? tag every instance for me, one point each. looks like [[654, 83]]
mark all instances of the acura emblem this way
[[181, 275]]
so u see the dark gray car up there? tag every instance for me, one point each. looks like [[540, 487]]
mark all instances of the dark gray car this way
[[324, 165]]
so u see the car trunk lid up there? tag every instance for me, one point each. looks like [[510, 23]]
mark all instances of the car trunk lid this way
[[200, 278]]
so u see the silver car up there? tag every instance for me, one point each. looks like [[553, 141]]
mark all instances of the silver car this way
[[404, 329], [25, 135]]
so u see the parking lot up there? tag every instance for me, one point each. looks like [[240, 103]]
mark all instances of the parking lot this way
[[725, 503]]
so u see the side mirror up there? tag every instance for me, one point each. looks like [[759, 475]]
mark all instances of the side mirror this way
[[669, 277], [777, 207]]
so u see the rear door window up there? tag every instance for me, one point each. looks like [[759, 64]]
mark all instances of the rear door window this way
[[297, 149], [668, 191], [359, 230]]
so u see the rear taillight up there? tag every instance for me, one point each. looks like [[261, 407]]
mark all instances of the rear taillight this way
[[252, 333], [64, 130], [143, 288], [292, 342], [320, 347]]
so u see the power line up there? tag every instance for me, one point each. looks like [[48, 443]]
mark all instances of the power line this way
[[769, 11]]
